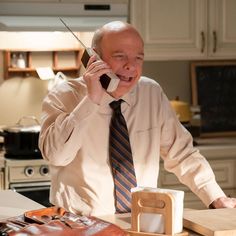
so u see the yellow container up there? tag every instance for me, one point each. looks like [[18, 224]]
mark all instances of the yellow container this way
[[182, 110]]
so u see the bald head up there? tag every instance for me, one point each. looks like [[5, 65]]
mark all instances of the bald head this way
[[114, 27]]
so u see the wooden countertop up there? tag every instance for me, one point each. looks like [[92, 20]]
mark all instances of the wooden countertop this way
[[212, 221], [124, 221], [14, 204]]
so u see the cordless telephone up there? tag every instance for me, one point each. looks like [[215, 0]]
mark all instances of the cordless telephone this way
[[109, 81]]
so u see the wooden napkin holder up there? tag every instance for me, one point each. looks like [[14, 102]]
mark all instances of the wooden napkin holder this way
[[153, 202]]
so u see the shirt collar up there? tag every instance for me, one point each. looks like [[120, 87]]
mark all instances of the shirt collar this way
[[107, 98]]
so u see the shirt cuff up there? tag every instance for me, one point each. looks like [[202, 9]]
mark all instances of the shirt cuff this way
[[210, 192]]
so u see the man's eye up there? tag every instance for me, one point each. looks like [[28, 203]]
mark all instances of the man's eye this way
[[139, 58], [119, 56]]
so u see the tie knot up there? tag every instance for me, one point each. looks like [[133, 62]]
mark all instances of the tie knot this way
[[115, 105]]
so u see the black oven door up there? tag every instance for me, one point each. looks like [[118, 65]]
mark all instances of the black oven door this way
[[36, 191]]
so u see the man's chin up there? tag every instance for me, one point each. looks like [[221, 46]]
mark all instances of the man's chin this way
[[122, 89]]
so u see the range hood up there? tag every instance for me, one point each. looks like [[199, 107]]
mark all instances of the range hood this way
[[38, 16]]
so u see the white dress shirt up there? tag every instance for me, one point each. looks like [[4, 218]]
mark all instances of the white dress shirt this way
[[74, 139]]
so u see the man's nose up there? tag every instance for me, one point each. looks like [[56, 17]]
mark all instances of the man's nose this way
[[130, 65]]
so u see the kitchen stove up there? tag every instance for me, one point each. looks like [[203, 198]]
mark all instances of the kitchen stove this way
[[30, 177]]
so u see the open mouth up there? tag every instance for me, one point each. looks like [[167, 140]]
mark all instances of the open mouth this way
[[125, 79]]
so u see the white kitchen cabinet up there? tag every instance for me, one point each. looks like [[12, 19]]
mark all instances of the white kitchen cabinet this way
[[186, 29], [222, 30], [223, 162]]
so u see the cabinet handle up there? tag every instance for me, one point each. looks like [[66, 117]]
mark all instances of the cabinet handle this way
[[214, 41], [203, 42]]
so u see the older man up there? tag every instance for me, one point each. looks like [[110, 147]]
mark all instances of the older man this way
[[76, 128]]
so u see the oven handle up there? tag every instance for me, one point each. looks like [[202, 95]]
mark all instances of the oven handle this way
[[23, 187], [20, 190]]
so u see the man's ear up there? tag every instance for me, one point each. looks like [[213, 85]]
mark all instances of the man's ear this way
[[98, 52]]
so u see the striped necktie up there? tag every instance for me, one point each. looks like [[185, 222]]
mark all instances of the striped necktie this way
[[121, 159]]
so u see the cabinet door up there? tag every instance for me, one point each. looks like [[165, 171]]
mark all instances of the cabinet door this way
[[224, 171], [222, 30], [171, 29]]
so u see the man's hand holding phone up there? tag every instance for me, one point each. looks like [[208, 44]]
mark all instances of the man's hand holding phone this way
[[109, 81], [94, 70]]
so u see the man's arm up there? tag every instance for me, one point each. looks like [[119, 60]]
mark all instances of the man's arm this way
[[64, 121]]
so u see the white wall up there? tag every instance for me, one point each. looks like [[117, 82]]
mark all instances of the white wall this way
[[21, 97], [173, 76]]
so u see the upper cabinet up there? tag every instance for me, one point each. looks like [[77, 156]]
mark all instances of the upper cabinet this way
[[222, 30], [186, 29]]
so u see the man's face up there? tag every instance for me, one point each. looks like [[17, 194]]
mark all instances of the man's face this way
[[123, 51]]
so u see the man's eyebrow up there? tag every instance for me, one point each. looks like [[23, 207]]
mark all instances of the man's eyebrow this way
[[140, 53], [118, 51]]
